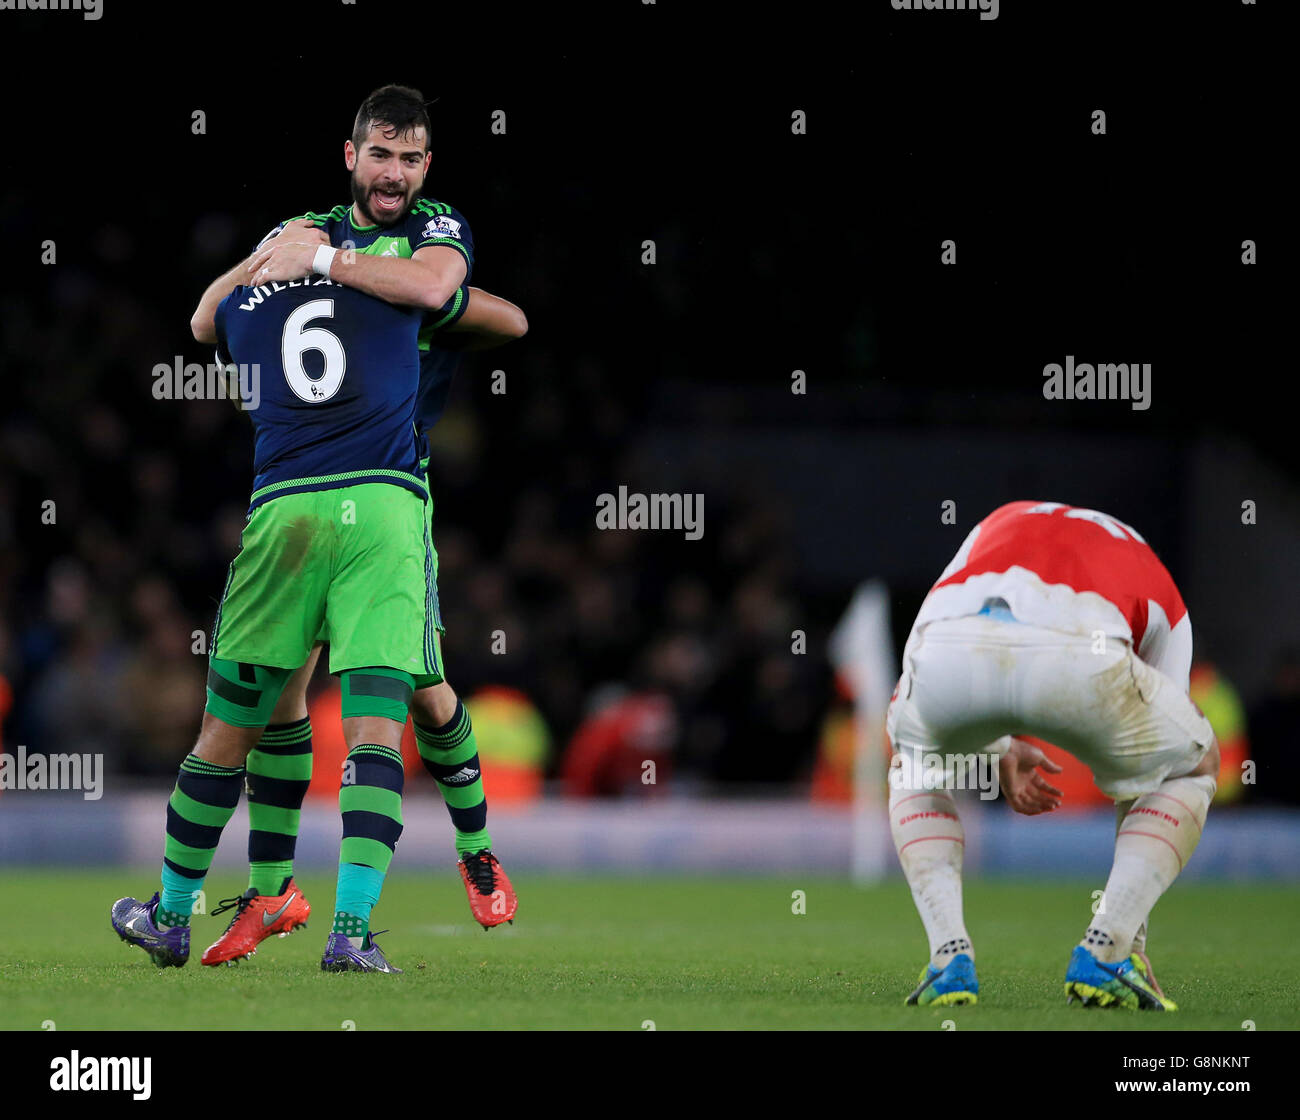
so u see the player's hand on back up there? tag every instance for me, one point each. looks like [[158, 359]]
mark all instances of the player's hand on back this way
[[304, 230], [1025, 789], [289, 254]]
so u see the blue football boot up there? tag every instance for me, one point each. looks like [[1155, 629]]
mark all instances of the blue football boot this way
[[340, 956], [1123, 984], [951, 986], [134, 922]]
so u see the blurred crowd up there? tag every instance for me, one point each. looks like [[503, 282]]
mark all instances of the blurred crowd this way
[[588, 654], [119, 514]]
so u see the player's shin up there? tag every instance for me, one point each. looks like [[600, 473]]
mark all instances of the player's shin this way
[[200, 807], [450, 754], [929, 839], [279, 772], [1140, 937], [370, 800], [1156, 839]]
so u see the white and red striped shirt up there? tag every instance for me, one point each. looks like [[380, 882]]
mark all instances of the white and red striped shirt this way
[[1069, 569]]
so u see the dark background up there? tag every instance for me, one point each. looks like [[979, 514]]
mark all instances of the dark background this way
[[776, 252]]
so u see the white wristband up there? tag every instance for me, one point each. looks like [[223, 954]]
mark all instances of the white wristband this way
[[320, 263]]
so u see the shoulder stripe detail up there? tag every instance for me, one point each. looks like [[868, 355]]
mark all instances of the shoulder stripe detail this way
[[335, 213]]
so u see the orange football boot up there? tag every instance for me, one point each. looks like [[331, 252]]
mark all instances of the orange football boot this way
[[258, 917], [491, 897]]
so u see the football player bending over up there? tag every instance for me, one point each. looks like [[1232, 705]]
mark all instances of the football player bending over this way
[[1060, 623]]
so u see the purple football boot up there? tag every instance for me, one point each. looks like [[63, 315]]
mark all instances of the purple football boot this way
[[134, 922], [341, 957]]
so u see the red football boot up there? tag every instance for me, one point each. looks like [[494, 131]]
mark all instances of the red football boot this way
[[491, 897], [259, 916]]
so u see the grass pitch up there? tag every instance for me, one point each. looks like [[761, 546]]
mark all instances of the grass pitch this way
[[681, 953]]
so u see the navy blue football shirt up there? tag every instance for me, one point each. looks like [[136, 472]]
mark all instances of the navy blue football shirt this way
[[338, 374], [429, 222]]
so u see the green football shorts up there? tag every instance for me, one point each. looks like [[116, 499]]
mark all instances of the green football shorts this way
[[435, 675], [355, 562], [435, 610]]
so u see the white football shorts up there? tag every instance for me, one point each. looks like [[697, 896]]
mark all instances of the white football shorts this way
[[970, 681]]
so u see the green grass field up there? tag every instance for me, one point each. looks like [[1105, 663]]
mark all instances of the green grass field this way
[[613, 953]]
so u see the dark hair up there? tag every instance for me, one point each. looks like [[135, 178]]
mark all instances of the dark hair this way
[[400, 108]]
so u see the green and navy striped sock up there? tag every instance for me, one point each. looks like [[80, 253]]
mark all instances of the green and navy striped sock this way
[[279, 772], [201, 804], [450, 754], [370, 800]]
